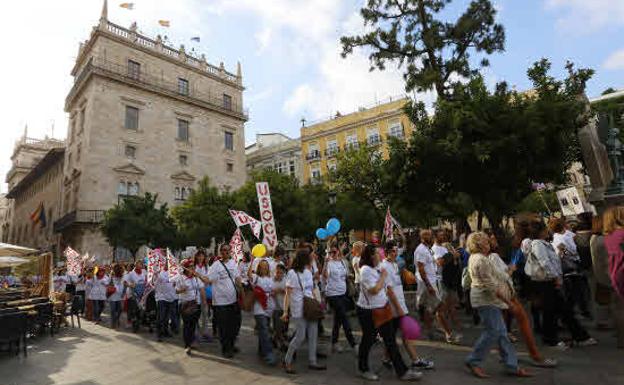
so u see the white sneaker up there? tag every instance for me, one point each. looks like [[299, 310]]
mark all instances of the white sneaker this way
[[411, 375], [369, 376], [337, 348], [588, 342]]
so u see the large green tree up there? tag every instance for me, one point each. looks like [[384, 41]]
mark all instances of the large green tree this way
[[434, 52], [138, 221], [205, 216]]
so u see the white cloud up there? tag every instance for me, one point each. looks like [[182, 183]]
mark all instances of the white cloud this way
[[615, 61], [583, 16]]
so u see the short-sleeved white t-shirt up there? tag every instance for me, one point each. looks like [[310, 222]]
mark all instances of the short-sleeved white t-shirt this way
[[60, 283], [336, 283], [223, 288], [272, 264], [139, 280], [424, 255], [393, 280], [279, 298], [164, 288], [368, 279], [193, 286], [266, 284], [98, 288], [119, 289], [355, 262], [439, 252], [296, 295]]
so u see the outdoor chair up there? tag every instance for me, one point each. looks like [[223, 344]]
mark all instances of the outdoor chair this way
[[13, 328]]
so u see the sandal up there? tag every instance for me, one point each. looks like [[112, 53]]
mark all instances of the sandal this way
[[545, 363], [521, 373], [477, 371]]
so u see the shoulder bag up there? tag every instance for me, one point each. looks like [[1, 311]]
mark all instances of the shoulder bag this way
[[381, 315], [311, 306], [348, 278], [189, 308], [246, 298]]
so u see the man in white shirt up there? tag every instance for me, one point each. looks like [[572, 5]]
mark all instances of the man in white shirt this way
[[225, 279], [427, 276], [167, 301]]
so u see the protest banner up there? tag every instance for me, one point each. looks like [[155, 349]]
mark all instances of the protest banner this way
[[241, 218], [74, 263], [266, 215], [236, 245]]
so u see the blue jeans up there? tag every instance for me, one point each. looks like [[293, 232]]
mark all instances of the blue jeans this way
[[115, 311], [494, 332], [265, 346], [165, 314], [98, 308], [339, 304]]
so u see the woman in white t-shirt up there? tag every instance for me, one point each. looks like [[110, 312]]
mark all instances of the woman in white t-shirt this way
[[280, 328], [356, 251], [97, 293], [373, 297], [263, 309], [299, 284], [189, 289], [335, 274], [115, 299], [201, 267]]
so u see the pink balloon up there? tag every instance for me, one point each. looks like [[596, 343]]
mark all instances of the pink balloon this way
[[410, 328]]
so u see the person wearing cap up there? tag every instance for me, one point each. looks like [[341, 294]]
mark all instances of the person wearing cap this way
[[189, 289]]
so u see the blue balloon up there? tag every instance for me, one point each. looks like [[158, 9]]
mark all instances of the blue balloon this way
[[322, 234], [333, 226]]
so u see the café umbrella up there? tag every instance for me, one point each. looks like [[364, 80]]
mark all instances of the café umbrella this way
[[14, 250], [11, 261]]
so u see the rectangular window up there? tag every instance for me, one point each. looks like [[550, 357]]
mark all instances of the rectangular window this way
[[132, 118], [82, 119], [396, 130], [130, 152], [134, 69], [372, 136], [183, 160], [229, 166], [292, 167], [183, 130], [352, 142], [183, 86], [332, 148], [227, 102], [316, 176], [229, 141]]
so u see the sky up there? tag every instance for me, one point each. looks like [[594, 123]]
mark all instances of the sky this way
[[289, 51]]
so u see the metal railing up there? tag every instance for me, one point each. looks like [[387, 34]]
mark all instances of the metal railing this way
[[313, 155], [78, 217], [332, 151], [151, 82]]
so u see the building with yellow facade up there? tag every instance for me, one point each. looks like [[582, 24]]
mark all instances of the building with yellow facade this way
[[321, 142]]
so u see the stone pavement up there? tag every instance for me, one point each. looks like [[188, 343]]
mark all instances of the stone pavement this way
[[98, 355]]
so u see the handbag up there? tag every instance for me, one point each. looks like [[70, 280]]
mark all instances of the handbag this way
[[382, 315], [311, 306], [350, 283], [189, 308], [110, 289]]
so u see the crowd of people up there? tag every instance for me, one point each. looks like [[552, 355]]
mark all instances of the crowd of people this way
[[543, 280]]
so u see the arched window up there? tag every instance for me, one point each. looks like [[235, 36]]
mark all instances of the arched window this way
[[177, 194]]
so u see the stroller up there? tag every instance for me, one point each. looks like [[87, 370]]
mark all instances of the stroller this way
[[150, 312], [143, 311]]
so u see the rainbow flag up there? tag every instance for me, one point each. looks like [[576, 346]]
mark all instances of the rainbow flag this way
[[38, 216]]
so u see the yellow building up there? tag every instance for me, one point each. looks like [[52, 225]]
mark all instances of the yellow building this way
[[320, 142]]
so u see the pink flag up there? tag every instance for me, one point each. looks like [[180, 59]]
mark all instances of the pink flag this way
[[236, 245], [172, 264], [388, 225], [241, 218]]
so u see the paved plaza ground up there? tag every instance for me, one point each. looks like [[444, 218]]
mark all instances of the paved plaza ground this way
[[98, 355]]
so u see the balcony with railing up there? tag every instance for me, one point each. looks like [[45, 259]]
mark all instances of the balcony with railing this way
[[79, 217], [374, 140], [313, 155], [124, 73], [332, 151], [351, 146]]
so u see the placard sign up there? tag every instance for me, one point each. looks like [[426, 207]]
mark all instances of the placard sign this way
[[266, 215]]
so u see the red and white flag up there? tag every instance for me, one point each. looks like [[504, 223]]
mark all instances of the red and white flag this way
[[74, 262], [172, 266], [241, 218], [236, 245], [153, 264], [388, 226]]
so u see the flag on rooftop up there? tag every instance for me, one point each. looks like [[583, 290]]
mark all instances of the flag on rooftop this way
[[164, 23], [127, 5], [195, 38]]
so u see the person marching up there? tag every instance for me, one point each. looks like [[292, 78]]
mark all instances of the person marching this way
[[335, 274], [167, 302], [189, 290], [225, 279], [116, 297], [97, 293], [397, 299], [263, 308], [201, 267]]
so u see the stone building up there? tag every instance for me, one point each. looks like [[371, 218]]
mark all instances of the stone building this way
[[35, 203], [320, 142], [143, 117], [277, 152], [5, 218]]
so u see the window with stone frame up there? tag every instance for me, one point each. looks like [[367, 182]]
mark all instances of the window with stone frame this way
[[183, 160], [183, 130], [133, 188], [291, 167], [395, 129], [229, 167], [229, 141], [227, 102], [134, 69], [132, 118], [183, 86], [82, 120]]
